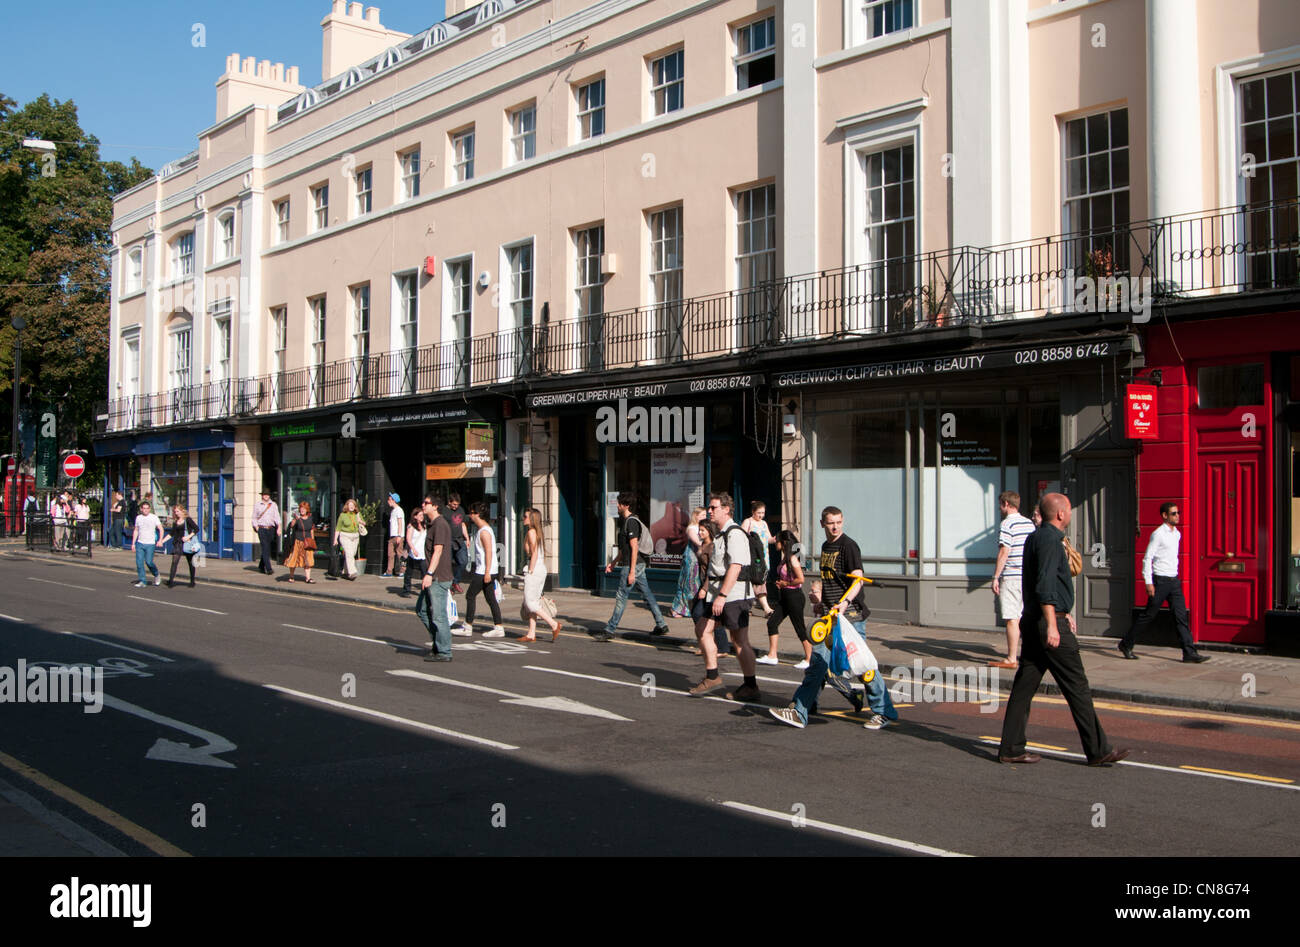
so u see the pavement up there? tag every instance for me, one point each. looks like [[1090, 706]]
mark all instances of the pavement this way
[[1230, 683]]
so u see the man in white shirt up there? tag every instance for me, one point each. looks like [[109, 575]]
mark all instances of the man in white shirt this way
[[1007, 571], [147, 534], [729, 595], [396, 537], [1160, 573]]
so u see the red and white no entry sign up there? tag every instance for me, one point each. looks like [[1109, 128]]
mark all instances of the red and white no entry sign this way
[[73, 466]]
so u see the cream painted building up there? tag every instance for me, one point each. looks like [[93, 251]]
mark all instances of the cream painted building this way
[[794, 217]]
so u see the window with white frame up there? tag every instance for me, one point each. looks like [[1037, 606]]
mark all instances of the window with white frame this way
[[320, 200], [226, 235], [130, 374], [667, 82], [591, 109], [135, 269], [460, 282], [877, 18], [462, 161], [1096, 205], [408, 310], [519, 259], [755, 236], [755, 58], [316, 309], [282, 220], [523, 133], [1270, 129], [219, 312], [884, 237], [279, 339], [182, 256], [666, 281], [363, 191], [361, 321], [410, 164], [589, 245], [182, 352]]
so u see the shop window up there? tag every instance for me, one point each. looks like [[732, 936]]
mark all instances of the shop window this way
[[861, 468], [318, 450], [1044, 435], [970, 478], [1229, 386], [294, 452], [209, 461]]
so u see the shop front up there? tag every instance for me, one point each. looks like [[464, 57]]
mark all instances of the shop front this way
[[670, 443], [1228, 439], [916, 452]]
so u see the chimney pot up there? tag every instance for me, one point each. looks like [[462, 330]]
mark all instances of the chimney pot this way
[[372, 15], [232, 62], [354, 10]]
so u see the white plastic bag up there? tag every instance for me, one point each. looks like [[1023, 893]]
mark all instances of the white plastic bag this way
[[453, 613], [498, 592], [861, 660]]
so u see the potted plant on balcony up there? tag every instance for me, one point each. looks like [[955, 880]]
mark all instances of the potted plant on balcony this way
[[1099, 266]]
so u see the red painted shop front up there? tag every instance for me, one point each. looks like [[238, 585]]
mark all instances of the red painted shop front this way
[[1217, 458]]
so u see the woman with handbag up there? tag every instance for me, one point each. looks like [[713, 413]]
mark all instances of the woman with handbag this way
[[183, 534], [347, 533], [535, 606], [303, 552]]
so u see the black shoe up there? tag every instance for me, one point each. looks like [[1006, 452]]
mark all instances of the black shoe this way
[[859, 698], [437, 657], [1114, 756], [1128, 653], [745, 692], [602, 635], [660, 630], [1195, 658]]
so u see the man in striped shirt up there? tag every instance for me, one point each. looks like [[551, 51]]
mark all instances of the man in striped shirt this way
[[1007, 572]]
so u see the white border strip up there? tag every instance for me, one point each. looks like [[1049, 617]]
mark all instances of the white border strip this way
[[852, 833], [353, 708], [193, 608]]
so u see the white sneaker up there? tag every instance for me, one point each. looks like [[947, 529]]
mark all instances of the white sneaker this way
[[801, 666], [496, 632], [875, 722], [140, 585], [766, 659], [157, 580], [462, 631]]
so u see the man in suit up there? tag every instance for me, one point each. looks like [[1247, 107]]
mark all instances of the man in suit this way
[[1048, 590]]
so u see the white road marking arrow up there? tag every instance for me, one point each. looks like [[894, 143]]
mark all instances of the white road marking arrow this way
[[545, 703], [175, 752]]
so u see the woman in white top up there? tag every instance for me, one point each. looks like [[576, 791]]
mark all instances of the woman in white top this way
[[535, 577], [414, 551], [483, 574], [757, 524]]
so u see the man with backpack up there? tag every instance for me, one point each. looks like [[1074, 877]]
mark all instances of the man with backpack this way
[[631, 563], [737, 567]]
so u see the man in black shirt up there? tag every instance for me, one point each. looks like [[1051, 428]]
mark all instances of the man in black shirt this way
[[841, 563], [435, 585], [1048, 590]]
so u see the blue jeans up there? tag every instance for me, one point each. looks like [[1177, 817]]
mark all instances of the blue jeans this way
[[115, 532], [620, 600], [431, 608], [144, 557], [814, 679]]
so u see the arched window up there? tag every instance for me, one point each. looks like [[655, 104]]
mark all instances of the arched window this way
[[135, 269], [225, 235]]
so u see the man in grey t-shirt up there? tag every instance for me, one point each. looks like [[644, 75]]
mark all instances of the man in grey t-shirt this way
[[729, 598]]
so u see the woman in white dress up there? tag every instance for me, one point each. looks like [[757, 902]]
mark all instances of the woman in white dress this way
[[535, 577]]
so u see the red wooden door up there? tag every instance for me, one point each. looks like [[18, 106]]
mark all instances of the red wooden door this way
[[1232, 551]]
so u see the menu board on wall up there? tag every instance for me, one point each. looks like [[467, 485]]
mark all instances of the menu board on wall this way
[[676, 487]]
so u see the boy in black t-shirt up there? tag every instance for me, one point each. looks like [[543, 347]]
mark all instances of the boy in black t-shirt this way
[[841, 562]]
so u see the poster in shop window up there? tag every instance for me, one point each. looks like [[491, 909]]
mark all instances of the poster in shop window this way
[[676, 488]]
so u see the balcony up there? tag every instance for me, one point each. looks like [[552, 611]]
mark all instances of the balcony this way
[[1227, 251]]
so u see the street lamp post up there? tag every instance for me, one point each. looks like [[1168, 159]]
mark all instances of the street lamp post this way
[[19, 323]]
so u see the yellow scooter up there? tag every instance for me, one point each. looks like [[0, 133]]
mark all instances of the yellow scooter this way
[[823, 627]]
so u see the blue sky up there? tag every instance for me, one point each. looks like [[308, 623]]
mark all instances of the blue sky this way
[[155, 90]]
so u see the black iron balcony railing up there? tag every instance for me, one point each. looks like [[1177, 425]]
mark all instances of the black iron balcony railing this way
[[1230, 250]]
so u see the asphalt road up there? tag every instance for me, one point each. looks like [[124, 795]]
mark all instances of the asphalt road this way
[[242, 722]]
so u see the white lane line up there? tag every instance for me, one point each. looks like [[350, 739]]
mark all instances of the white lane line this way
[[114, 644], [639, 685], [770, 680], [62, 585], [1042, 751], [159, 601], [564, 704], [339, 634], [353, 708], [852, 833], [11, 618]]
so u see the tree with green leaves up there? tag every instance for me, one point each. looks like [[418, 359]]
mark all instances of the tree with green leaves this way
[[56, 212]]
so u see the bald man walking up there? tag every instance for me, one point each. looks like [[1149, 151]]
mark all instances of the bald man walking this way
[[1048, 591]]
